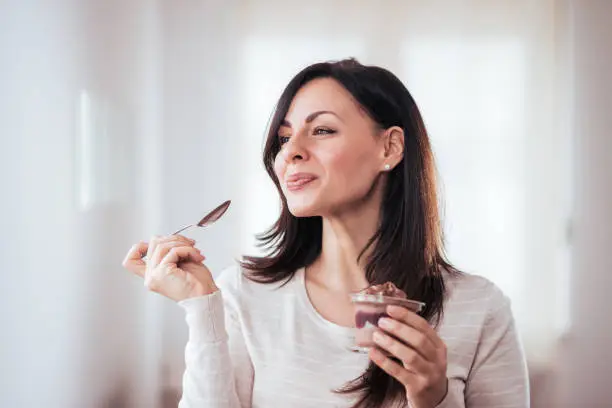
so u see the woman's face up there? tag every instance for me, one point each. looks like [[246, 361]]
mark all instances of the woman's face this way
[[331, 153]]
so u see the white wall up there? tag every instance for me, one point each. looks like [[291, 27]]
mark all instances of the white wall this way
[[74, 327], [36, 108], [586, 356]]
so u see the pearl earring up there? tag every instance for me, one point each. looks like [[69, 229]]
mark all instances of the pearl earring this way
[[387, 166]]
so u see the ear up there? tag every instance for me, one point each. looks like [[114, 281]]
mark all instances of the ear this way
[[393, 139]]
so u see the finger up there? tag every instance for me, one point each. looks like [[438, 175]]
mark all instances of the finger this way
[[133, 260], [152, 245], [392, 368], [158, 239], [410, 336], [175, 255], [164, 247], [414, 320], [412, 360], [184, 238]]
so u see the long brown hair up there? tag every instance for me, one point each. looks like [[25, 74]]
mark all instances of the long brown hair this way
[[407, 248]]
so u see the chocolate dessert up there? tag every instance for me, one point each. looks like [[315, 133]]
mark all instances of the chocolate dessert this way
[[371, 304], [387, 289]]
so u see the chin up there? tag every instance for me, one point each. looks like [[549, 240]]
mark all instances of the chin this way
[[302, 207], [303, 211]]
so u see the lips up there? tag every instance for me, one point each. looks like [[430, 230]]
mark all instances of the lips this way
[[299, 181]]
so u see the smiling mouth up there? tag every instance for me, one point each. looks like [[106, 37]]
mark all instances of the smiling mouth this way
[[300, 183]]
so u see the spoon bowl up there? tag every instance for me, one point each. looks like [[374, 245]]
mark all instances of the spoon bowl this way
[[208, 219]]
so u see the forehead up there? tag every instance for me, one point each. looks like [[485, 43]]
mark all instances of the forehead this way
[[323, 94]]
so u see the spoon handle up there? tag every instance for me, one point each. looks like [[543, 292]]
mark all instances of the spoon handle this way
[[208, 219], [182, 229]]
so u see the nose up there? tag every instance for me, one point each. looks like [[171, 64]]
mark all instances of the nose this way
[[294, 150]]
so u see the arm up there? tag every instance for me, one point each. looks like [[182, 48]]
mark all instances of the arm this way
[[498, 377], [219, 372]]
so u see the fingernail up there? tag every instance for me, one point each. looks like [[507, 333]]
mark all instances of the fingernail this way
[[385, 323]]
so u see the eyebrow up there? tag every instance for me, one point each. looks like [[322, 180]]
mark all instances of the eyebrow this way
[[311, 117]]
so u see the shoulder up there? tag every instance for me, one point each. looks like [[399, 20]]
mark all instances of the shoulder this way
[[474, 304], [235, 278], [240, 291], [469, 289]]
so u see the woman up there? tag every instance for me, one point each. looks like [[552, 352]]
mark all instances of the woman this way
[[349, 154]]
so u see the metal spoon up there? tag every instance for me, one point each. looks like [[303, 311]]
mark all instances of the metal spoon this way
[[208, 219]]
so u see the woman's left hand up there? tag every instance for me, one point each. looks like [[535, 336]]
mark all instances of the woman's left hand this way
[[421, 352]]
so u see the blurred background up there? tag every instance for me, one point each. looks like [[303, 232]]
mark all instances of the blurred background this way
[[124, 119]]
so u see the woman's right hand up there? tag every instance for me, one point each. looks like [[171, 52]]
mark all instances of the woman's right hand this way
[[174, 267]]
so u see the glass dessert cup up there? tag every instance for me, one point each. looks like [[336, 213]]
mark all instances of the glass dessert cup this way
[[369, 308]]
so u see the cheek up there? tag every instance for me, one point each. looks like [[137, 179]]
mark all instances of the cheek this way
[[347, 165], [350, 173], [279, 167]]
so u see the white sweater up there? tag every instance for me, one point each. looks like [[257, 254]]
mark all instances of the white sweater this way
[[256, 345]]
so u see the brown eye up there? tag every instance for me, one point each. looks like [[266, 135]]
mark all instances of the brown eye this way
[[323, 131]]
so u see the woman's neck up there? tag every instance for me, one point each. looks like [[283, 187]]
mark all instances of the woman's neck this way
[[344, 238]]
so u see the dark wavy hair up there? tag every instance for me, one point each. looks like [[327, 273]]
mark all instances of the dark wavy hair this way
[[407, 248]]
